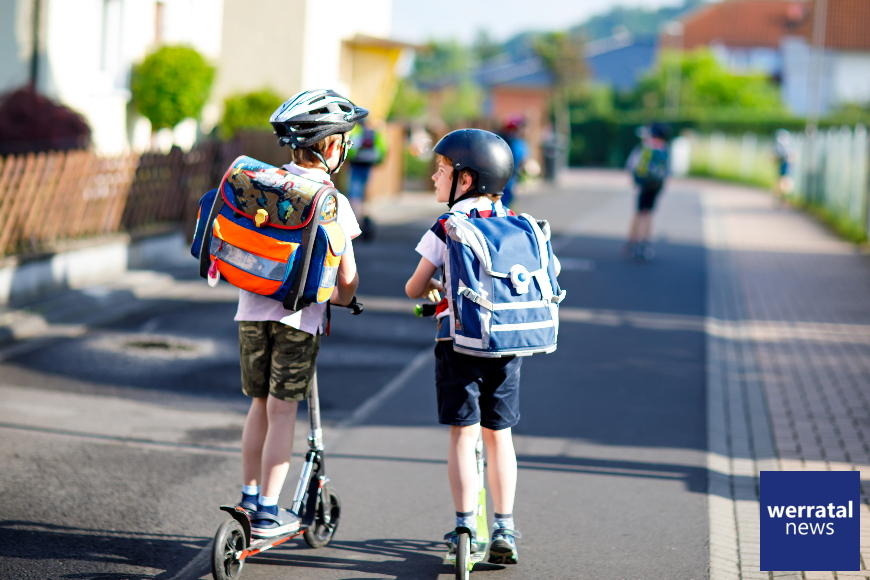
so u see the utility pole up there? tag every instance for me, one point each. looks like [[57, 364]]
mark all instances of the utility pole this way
[[814, 90], [674, 73], [34, 58]]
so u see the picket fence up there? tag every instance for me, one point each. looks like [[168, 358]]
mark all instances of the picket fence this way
[[49, 198]]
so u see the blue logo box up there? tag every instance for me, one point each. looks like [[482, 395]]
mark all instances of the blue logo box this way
[[810, 520]]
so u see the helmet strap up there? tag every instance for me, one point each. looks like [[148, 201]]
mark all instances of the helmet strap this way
[[451, 201], [340, 159]]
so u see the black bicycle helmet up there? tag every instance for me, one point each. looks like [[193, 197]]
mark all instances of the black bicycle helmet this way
[[662, 131], [310, 116], [484, 152]]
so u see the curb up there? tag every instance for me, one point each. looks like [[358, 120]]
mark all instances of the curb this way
[[26, 280]]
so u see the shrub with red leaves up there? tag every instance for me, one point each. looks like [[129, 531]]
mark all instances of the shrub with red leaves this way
[[32, 122]]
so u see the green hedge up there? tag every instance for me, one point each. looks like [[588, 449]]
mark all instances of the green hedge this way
[[607, 141]]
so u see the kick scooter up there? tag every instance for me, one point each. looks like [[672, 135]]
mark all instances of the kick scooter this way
[[315, 502], [463, 558]]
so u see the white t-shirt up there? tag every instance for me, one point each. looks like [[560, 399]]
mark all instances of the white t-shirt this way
[[253, 307]]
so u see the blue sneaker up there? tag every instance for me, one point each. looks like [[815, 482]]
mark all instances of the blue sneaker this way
[[267, 525], [503, 549], [451, 538]]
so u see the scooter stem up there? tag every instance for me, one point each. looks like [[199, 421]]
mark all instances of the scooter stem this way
[[315, 439]]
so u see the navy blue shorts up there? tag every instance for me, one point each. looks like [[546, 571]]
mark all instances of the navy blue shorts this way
[[646, 199], [473, 389]]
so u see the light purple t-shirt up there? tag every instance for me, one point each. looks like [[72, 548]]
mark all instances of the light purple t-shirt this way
[[253, 307]]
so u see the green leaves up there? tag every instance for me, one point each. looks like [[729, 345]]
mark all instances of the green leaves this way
[[171, 85], [249, 111]]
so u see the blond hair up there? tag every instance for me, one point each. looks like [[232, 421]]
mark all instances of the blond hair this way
[[304, 156]]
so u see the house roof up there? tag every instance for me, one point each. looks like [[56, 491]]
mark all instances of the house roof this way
[[755, 23], [848, 23], [763, 23]]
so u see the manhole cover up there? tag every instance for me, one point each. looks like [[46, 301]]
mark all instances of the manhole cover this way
[[159, 345], [153, 346]]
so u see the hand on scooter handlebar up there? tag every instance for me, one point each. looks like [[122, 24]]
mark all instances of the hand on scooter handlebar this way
[[354, 306], [428, 309]]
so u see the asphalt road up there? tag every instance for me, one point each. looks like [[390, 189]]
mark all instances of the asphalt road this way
[[120, 443]]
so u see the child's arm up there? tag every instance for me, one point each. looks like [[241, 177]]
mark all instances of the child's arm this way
[[422, 284], [347, 278]]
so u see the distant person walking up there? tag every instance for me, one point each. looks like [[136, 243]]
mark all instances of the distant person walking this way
[[782, 151], [648, 164], [369, 149], [512, 133]]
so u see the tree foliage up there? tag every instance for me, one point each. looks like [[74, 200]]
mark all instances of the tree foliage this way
[[706, 84], [171, 85], [32, 122], [249, 111]]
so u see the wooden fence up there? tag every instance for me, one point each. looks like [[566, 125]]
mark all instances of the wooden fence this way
[[47, 198]]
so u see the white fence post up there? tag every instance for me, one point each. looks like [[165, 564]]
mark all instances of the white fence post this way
[[747, 154]]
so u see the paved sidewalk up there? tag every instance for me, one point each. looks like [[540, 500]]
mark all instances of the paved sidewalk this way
[[788, 364]]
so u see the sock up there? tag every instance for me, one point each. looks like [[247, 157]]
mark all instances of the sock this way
[[268, 504], [250, 493], [505, 521], [467, 519]]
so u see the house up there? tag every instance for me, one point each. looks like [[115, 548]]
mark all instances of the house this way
[[776, 37], [81, 53], [619, 60]]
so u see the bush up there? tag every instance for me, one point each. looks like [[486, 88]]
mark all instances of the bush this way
[[171, 85], [32, 122], [249, 111]]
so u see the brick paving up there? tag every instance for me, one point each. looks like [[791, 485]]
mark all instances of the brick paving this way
[[788, 365]]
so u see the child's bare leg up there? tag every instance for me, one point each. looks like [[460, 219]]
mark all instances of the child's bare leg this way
[[632, 232], [644, 224], [501, 468], [278, 445], [253, 437], [462, 468]]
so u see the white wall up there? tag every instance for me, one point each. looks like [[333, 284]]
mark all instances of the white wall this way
[[327, 25], [16, 42], [852, 78]]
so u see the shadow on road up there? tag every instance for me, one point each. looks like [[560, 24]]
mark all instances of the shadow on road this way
[[29, 542]]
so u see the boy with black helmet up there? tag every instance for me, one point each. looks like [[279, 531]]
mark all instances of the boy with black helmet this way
[[474, 394], [278, 348]]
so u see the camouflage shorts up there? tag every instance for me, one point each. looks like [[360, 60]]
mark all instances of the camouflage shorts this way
[[277, 359]]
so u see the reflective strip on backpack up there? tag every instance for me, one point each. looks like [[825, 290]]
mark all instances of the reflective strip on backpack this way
[[523, 326], [246, 261]]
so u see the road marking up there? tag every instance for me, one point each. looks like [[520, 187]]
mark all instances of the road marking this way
[[198, 567], [374, 402]]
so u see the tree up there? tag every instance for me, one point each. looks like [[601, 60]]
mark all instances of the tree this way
[[32, 122], [249, 111], [562, 54], [171, 85], [705, 85]]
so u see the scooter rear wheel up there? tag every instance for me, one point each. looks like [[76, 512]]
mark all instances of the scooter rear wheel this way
[[325, 520], [463, 556], [230, 538]]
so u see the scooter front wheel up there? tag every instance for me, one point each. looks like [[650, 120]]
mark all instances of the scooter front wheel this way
[[325, 520], [463, 556], [230, 538]]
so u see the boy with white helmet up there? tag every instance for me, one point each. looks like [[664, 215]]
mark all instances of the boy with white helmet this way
[[278, 348]]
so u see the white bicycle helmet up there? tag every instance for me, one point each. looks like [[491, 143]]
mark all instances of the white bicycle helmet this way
[[309, 116]]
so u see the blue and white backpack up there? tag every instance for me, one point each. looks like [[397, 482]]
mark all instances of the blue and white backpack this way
[[500, 279]]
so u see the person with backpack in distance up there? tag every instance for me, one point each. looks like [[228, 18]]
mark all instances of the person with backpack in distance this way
[[369, 149], [648, 164], [277, 347], [491, 290]]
